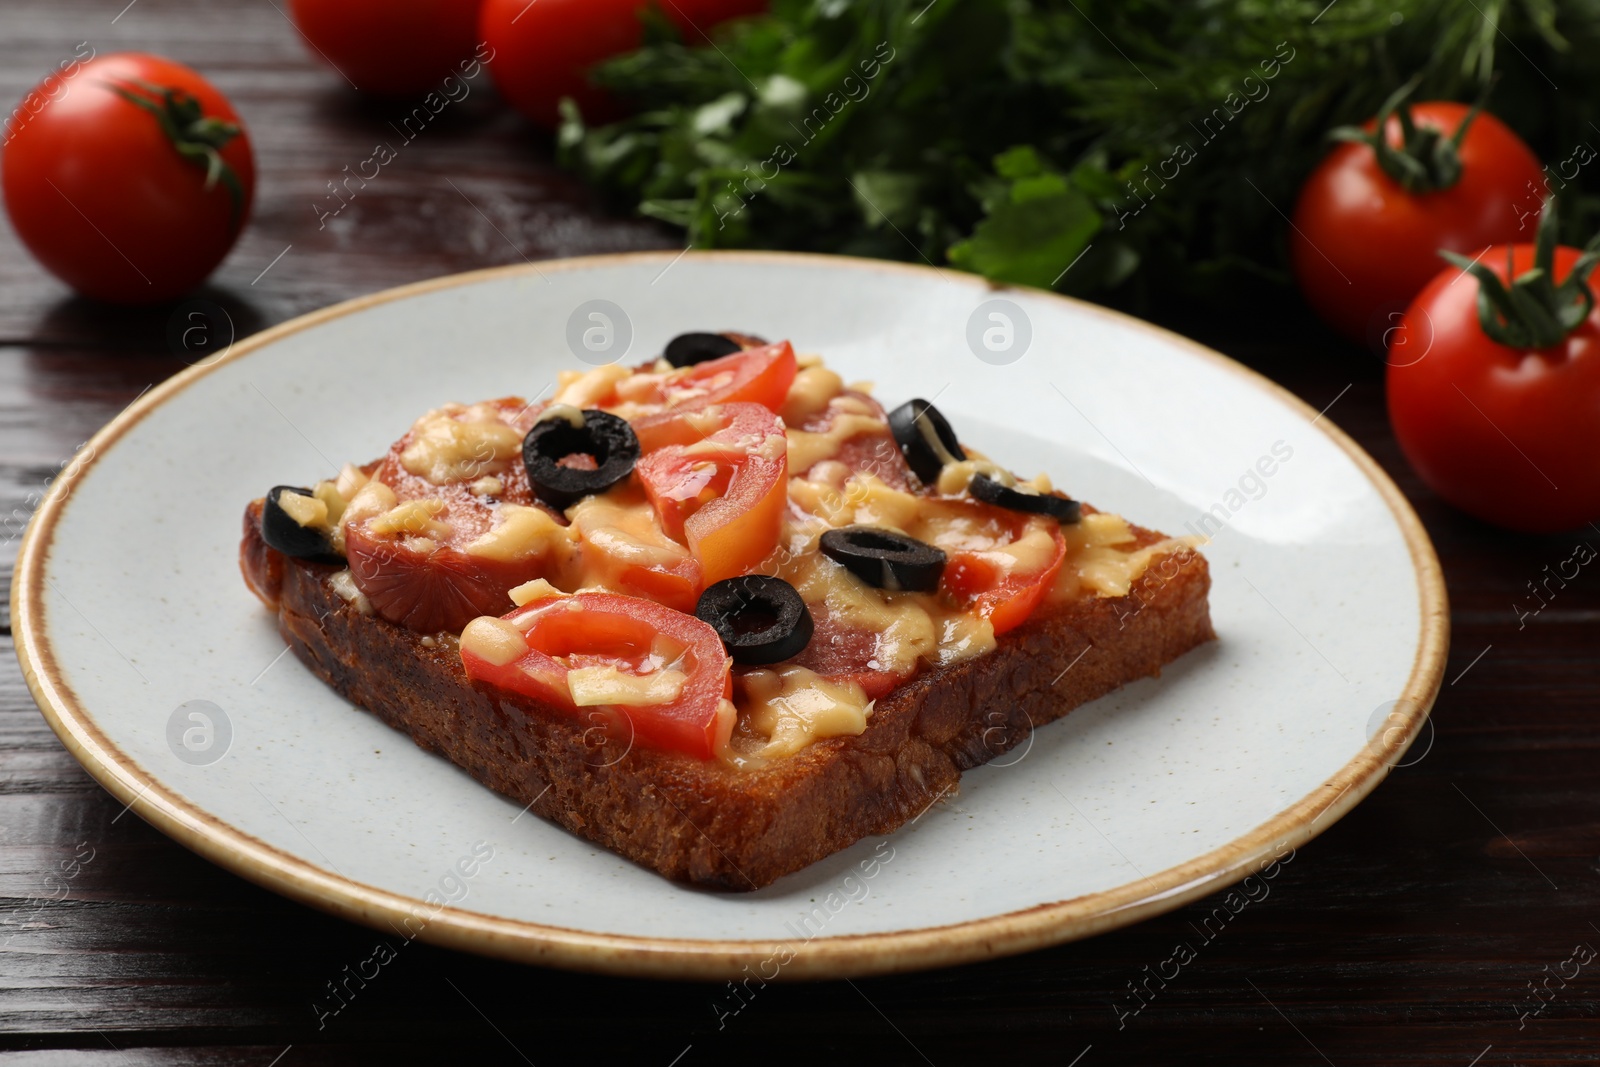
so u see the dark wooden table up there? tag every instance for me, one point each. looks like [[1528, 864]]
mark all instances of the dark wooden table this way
[[1411, 932]]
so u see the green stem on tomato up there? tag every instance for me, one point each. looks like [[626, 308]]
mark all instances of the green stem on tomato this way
[[197, 137], [1530, 311], [1426, 160]]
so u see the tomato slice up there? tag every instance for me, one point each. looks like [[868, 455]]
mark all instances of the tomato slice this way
[[1005, 582], [665, 671], [623, 547], [754, 376], [718, 478]]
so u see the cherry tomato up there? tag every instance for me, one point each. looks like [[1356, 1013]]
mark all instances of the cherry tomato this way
[[1510, 435], [636, 642], [109, 201], [988, 581], [719, 482], [1362, 245], [544, 51], [391, 47]]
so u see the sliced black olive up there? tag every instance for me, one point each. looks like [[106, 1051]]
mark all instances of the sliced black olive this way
[[687, 349], [885, 559], [926, 438], [554, 449], [989, 491], [280, 531], [760, 619]]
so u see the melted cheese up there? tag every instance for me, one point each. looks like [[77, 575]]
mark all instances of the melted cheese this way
[[351, 479], [494, 640], [593, 686], [616, 532], [1028, 554], [874, 503], [528, 592], [414, 517], [1102, 559], [456, 444], [1098, 548], [585, 390], [564, 412], [963, 636], [642, 388], [807, 448], [794, 706], [733, 450], [344, 584], [519, 533], [305, 510], [372, 499], [813, 388]]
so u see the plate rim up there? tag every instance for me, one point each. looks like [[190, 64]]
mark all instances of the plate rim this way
[[837, 956]]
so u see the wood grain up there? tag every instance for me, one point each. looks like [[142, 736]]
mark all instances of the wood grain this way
[[1407, 934]]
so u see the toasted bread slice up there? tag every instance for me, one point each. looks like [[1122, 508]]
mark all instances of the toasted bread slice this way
[[703, 821]]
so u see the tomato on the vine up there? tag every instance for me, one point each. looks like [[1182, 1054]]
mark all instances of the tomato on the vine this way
[[1497, 405], [390, 47], [1373, 215], [544, 51], [132, 184]]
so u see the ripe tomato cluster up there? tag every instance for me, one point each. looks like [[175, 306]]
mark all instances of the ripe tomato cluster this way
[[130, 177], [1426, 234]]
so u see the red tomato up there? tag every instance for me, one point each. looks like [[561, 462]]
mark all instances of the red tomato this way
[[102, 196], [719, 483], [694, 17], [1509, 435], [625, 548], [1362, 246], [632, 637], [391, 46], [544, 50], [979, 582], [755, 376]]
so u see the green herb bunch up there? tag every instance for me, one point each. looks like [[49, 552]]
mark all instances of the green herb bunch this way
[[1096, 146]]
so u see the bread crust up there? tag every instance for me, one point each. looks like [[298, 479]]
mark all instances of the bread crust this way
[[705, 822]]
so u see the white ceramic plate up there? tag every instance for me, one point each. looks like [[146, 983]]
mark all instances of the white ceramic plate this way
[[1327, 600]]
